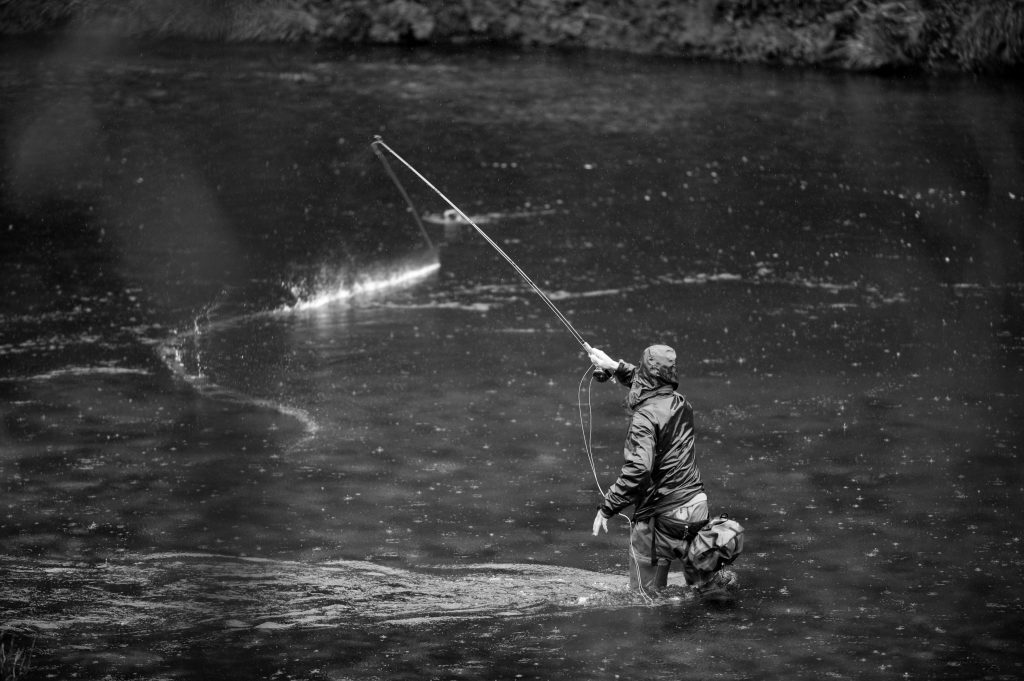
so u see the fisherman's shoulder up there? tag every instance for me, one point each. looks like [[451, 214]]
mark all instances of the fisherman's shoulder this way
[[659, 406], [654, 408]]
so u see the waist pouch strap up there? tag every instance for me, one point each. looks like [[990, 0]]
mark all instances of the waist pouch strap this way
[[688, 534], [654, 541]]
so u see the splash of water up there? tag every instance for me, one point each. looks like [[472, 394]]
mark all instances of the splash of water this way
[[363, 285], [182, 351], [185, 592]]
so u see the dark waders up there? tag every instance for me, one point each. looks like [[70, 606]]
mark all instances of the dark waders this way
[[648, 577], [668, 534]]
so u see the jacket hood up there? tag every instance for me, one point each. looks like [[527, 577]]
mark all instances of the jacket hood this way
[[656, 373]]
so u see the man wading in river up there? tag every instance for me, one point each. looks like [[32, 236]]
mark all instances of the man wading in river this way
[[660, 476]]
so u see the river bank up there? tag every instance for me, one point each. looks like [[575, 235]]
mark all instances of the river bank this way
[[859, 35]]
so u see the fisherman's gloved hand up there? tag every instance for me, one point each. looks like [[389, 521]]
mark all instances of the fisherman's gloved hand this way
[[601, 360], [600, 523]]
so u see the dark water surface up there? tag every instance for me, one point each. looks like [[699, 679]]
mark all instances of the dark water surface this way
[[219, 459]]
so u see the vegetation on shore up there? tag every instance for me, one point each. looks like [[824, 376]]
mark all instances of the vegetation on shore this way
[[15, 656], [966, 35]]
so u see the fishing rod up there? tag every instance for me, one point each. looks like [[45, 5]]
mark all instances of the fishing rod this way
[[599, 374]]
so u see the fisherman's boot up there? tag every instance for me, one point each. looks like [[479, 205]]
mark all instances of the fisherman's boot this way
[[694, 577], [648, 578]]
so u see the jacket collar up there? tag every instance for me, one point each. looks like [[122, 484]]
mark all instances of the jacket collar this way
[[634, 400]]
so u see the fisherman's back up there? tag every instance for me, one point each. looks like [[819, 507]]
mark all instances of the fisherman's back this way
[[674, 475]]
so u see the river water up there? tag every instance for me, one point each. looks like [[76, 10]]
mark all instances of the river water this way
[[255, 426]]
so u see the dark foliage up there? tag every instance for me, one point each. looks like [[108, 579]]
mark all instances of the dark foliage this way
[[987, 35]]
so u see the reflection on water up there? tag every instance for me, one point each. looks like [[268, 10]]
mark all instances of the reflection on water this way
[[208, 427]]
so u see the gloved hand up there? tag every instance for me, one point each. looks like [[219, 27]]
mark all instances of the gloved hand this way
[[601, 360], [600, 523]]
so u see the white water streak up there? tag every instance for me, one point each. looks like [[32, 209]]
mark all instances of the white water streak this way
[[367, 286]]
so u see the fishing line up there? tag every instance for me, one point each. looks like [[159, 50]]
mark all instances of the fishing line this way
[[588, 439], [547, 301], [405, 195], [588, 433]]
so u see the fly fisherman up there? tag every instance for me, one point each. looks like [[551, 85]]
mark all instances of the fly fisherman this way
[[660, 476]]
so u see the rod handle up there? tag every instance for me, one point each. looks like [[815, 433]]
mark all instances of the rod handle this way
[[600, 375]]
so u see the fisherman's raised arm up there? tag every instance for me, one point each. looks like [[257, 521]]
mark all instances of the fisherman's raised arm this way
[[622, 371]]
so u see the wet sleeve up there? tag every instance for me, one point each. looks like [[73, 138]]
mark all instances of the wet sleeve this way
[[624, 373], [636, 470]]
